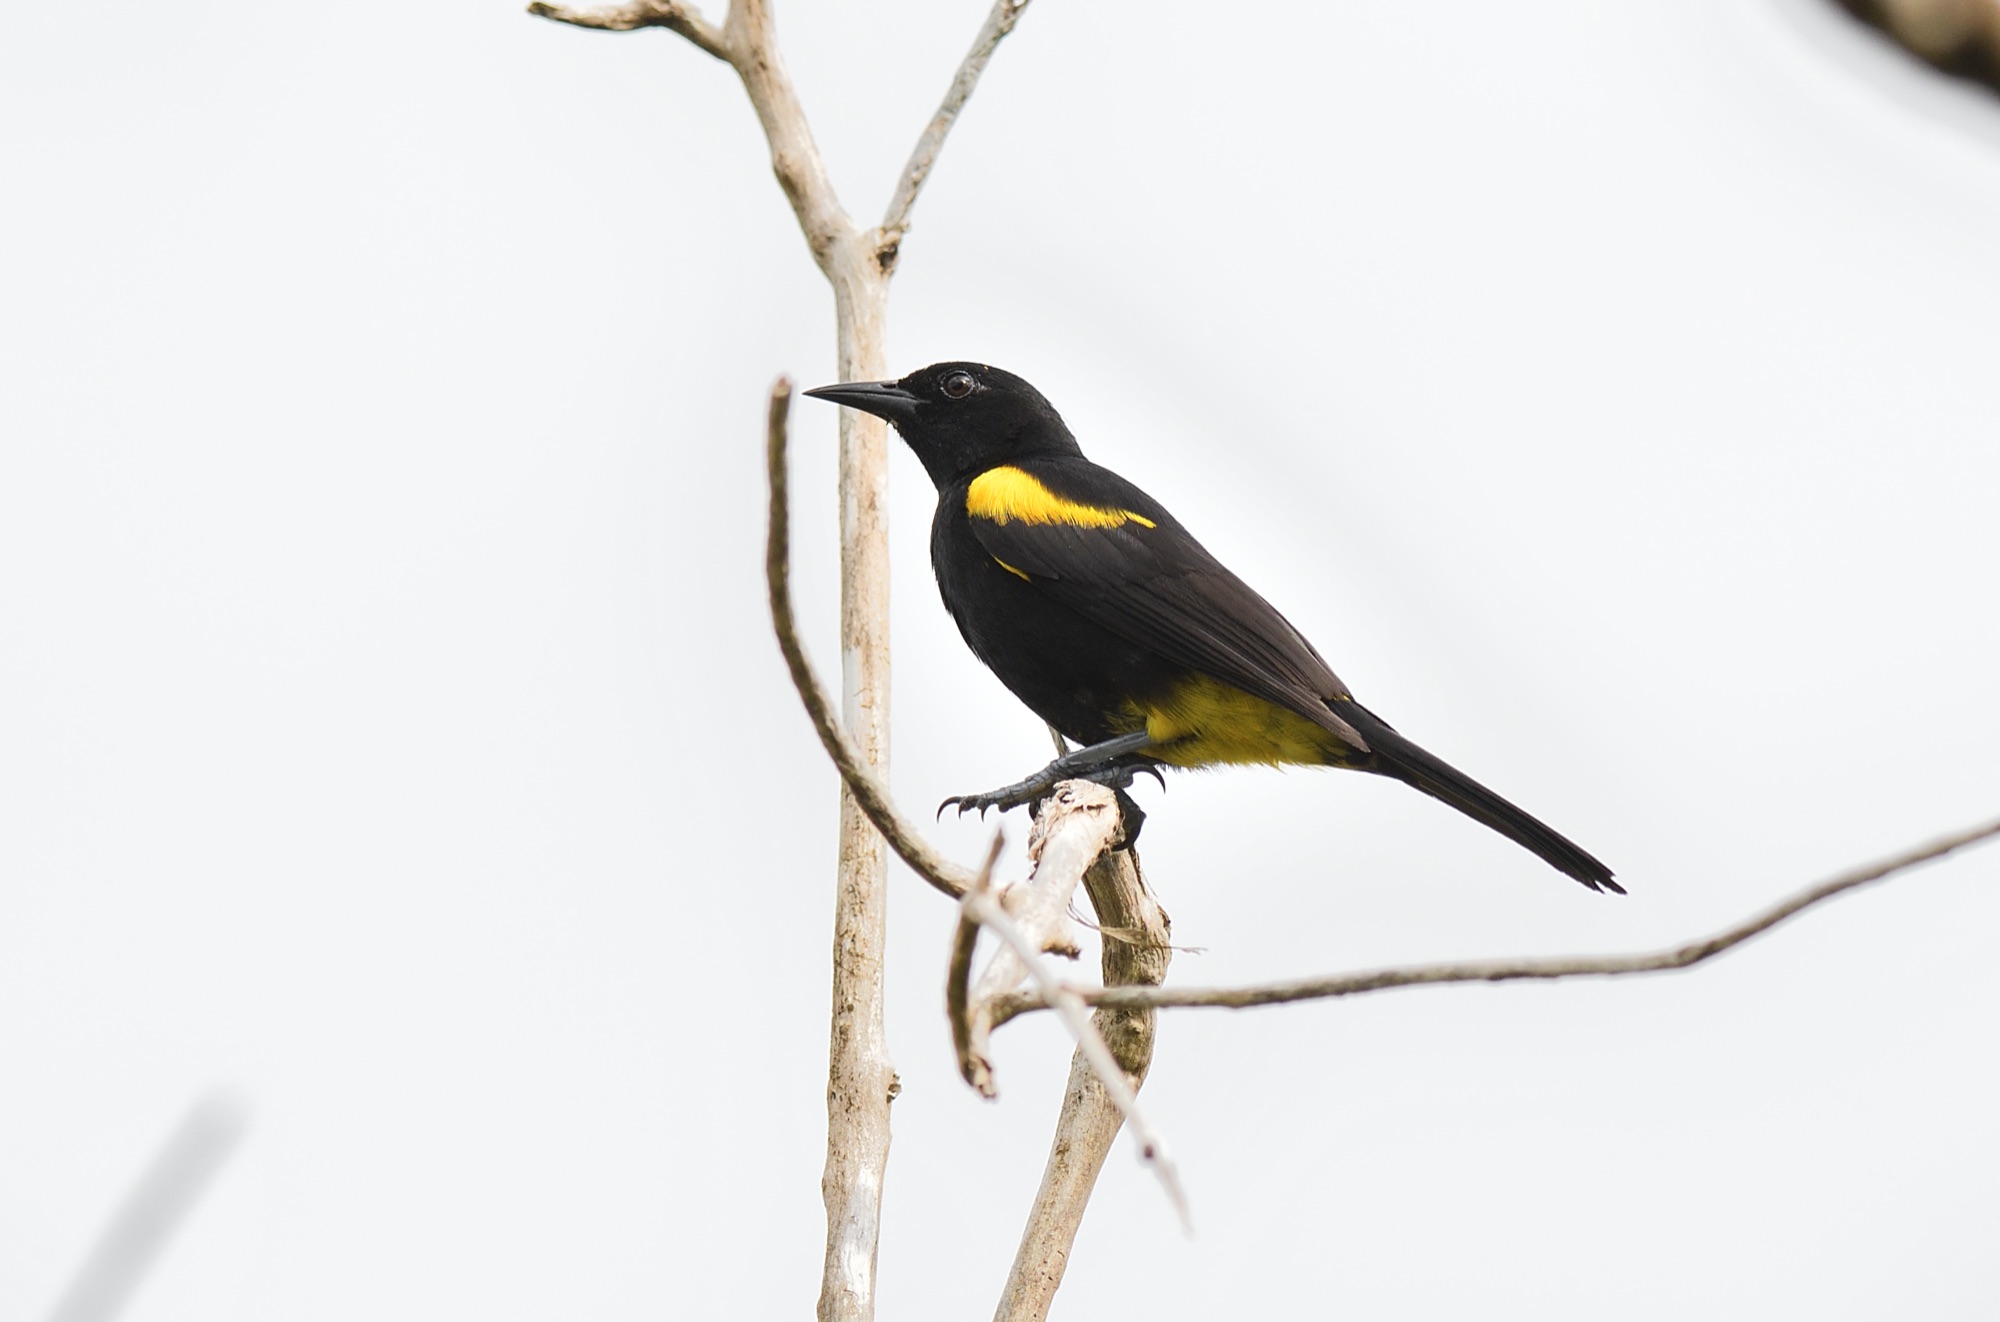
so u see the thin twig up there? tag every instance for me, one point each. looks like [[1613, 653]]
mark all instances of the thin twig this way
[[644, 14], [1510, 970], [862, 783], [896, 221]]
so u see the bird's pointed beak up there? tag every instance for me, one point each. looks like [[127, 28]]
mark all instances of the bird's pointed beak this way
[[884, 399]]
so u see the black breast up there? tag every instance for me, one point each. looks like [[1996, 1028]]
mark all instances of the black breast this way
[[1075, 674]]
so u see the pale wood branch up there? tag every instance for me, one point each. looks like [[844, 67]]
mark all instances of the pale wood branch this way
[[958, 973], [747, 42], [861, 780], [896, 220], [645, 14], [1077, 826], [751, 39], [1137, 945], [1510, 970], [860, 1081], [857, 265]]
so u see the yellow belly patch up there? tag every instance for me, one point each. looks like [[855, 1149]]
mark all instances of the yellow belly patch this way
[[1006, 493], [1205, 721]]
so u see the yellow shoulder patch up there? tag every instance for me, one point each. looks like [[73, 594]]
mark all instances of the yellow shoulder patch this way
[[1006, 493]]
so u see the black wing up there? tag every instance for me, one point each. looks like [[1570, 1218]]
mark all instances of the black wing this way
[[1160, 588]]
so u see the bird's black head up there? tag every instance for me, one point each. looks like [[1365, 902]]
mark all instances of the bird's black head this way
[[961, 418]]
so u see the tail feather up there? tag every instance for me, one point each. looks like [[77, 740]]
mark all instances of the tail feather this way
[[1398, 757]]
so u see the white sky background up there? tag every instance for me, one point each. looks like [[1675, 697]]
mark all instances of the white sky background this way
[[390, 731]]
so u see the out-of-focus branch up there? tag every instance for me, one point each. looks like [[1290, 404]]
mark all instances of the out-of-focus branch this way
[[1137, 940], [644, 14], [896, 221], [862, 783], [1511, 970], [165, 1195], [1079, 824], [1960, 37]]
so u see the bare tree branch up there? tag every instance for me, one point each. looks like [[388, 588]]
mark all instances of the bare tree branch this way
[[1958, 37], [644, 14], [1078, 825], [1075, 1016], [747, 41], [857, 266], [752, 42], [896, 220], [862, 783], [1137, 946], [1510, 970], [958, 976], [161, 1201]]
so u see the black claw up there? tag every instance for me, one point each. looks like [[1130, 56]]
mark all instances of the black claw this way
[[1133, 816], [965, 803]]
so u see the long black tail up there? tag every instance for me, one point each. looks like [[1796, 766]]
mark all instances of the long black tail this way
[[1398, 757]]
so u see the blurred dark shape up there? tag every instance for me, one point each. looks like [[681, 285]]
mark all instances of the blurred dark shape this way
[[159, 1203], [1958, 37]]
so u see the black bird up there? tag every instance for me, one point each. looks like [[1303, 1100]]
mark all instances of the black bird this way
[[1106, 616]]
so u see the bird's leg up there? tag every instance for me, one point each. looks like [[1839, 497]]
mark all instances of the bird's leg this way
[[1105, 763]]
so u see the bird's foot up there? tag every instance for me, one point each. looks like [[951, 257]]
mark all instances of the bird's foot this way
[[1109, 763], [1004, 798]]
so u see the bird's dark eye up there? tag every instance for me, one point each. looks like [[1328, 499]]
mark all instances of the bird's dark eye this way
[[957, 385]]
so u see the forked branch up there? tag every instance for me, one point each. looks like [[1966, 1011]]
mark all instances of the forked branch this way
[[857, 264], [746, 42], [896, 221], [1079, 827]]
